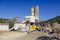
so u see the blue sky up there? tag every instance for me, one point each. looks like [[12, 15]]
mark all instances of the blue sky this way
[[21, 8]]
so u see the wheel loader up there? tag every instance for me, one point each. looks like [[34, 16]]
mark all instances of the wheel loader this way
[[34, 26]]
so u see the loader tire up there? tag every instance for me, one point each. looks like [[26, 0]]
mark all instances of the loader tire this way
[[37, 29]]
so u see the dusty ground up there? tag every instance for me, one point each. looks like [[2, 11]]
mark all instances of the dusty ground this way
[[39, 35], [57, 30], [22, 35], [32, 36], [11, 35]]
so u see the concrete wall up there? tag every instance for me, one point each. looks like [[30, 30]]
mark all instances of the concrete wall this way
[[4, 27]]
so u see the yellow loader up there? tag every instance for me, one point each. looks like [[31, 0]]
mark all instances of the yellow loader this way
[[34, 27]]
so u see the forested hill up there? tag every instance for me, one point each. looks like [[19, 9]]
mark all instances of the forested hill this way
[[56, 19], [3, 20]]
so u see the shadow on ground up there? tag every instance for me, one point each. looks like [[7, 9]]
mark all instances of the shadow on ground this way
[[47, 38]]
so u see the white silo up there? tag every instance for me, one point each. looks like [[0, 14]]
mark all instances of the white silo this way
[[32, 11], [36, 11]]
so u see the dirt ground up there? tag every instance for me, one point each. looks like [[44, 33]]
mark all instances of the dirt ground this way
[[11, 35], [22, 35], [57, 31], [32, 36]]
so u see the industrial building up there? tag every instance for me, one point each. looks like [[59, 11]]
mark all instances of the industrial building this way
[[33, 18]]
